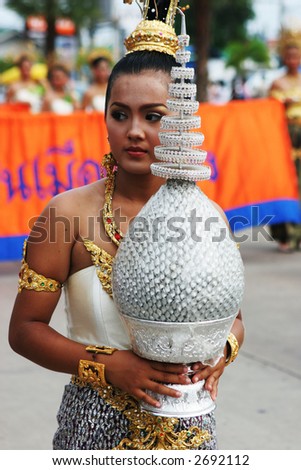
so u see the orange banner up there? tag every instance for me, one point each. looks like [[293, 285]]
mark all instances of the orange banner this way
[[41, 156], [253, 176], [248, 151]]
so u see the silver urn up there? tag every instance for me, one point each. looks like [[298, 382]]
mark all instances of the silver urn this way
[[178, 276]]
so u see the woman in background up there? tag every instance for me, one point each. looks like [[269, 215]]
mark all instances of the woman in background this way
[[94, 96], [59, 97], [287, 89], [26, 89]]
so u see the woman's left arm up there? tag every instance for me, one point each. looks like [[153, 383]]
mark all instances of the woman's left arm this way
[[210, 374]]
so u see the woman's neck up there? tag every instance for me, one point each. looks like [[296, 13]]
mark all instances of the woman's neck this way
[[135, 187], [293, 73]]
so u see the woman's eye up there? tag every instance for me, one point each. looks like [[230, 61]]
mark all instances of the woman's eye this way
[[119, 115], [154, 117]]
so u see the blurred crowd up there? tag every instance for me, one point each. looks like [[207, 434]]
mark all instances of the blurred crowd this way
[[57, 91]]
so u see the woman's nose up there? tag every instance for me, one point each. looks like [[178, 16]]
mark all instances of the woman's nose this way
[[135, 131]]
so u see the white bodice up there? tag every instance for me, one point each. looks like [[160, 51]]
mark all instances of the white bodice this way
[[27, 95], [61, 106], [92, 317], [98, 103]]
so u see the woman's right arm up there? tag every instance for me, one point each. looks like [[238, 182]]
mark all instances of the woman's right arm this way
[[49, 249], [49, 253]]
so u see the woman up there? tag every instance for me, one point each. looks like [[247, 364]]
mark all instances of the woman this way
[[94, 96], [287, 89], [101, 408], [91, 419], [26, 90], [59, 97]]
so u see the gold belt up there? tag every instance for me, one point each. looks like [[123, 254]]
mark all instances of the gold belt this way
[[146, 430]]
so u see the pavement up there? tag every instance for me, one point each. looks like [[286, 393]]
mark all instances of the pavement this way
[[258, 405]]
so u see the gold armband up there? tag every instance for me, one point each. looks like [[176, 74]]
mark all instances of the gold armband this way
[[92, 373], [30, 280], [233, 346]]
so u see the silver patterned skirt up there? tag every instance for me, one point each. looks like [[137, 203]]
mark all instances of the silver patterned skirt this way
[[106, 418]]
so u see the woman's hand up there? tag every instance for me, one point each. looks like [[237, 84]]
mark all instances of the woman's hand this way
[[135, 376], [210, 374]]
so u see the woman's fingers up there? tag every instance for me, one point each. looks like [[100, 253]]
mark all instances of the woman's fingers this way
[[211, 385], [157, 388], [168, 378], [170, 368]]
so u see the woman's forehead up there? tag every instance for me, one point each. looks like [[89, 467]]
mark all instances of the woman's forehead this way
[[146, 83]]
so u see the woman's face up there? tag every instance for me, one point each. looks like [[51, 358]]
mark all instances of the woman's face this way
[[136, 106], [25, 68], [101, 72], [292, 58], [59, 79]]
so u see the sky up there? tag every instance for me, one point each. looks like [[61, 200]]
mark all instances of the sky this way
[[270, 14]]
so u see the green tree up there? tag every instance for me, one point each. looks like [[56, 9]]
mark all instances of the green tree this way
[[85, 13], [238, 53]]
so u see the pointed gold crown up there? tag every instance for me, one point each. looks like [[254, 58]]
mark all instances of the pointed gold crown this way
[[156, 31], [289, 37]]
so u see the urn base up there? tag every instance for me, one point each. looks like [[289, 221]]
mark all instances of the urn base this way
[[195, 401]]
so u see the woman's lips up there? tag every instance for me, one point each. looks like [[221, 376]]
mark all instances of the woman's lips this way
[[137, 152]]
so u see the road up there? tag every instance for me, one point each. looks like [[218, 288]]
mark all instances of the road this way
[[258, 406]]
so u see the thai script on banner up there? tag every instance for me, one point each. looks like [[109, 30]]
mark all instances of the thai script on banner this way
[[248, 152]]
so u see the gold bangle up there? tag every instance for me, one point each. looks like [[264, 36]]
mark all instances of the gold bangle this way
[[95, 349], [92, 372], [234, 348]]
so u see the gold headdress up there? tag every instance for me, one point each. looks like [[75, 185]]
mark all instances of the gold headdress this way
[[289, 37], [155, 32]]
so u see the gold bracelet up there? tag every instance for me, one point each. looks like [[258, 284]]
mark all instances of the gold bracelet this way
[[100, 349], [95, 349], [234, 348], [92, 372]]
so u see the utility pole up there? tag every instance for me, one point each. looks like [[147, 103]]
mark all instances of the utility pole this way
[[281, 12], [51, 8], [203, 22]]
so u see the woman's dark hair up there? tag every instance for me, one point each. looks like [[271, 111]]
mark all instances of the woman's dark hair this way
[[58, 67], [95, 62], [137, 62]]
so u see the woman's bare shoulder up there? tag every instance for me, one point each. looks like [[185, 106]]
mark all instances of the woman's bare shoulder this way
[[59, 226], [76, 199], [280, 84]]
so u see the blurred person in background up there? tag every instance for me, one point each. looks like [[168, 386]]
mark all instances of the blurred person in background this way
[[26, 89], [59, 97], [239, 89], [218, 92], [287, 89], [94, 96]]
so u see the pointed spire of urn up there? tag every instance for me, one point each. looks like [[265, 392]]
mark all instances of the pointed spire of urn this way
[[178, 155]]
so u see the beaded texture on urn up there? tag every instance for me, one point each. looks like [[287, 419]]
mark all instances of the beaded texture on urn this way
[[181, 265]]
